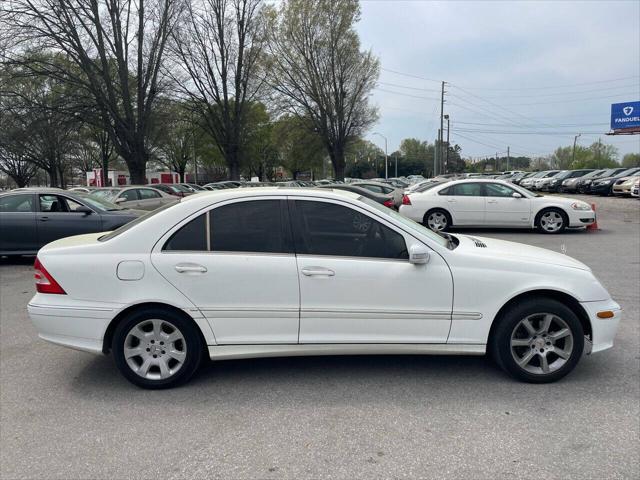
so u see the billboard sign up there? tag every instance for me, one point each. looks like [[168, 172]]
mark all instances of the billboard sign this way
[[625, 115]]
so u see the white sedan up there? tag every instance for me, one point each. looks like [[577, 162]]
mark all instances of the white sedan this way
[[283, 272], [494, 203]]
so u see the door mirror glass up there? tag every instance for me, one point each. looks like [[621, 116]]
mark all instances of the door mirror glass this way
[[516, 195], [418, 254], [84, 210], [120, 200]]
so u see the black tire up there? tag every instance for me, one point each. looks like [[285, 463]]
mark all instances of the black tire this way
[[192, 346], [442, 211], [541, 219], [502, 351]]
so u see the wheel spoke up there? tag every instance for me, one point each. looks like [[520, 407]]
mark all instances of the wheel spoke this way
[[157, 328], [139, 333], [179, 356], [560, 334], [561, 353], [143, 370], [527, 324], [172, 337], [544, 363], [524, 361], [520, 342], [164, 368], [546, 323], [133, 352]]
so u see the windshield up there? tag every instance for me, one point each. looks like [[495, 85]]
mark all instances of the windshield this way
[[563, 174], [98, 203], [627, 173], [407, 222], [134, 222], [106, 193]]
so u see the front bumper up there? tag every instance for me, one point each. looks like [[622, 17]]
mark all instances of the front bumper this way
[[600, 189], [603, 329], [581, 218]]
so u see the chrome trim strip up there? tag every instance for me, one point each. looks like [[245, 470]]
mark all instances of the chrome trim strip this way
[[466, 316], [226, 352], [63, 307]]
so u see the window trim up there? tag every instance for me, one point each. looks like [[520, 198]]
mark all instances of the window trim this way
[[34, 200]]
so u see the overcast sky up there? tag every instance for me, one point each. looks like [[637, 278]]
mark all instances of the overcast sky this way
[[510, 66]]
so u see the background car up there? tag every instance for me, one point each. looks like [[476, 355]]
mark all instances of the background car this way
[[604, 185], [540, 181], [494, 203], [556, 183], [571, 185], [33, 218], [141, 198], [382, 188], [174, 189], [624, 185], [584, 184], [635, 189], [528, 181], [385, 199]]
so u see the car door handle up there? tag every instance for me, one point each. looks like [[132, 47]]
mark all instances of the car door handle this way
[[44, 219], [492, 201], [190, 268], [317, 271]]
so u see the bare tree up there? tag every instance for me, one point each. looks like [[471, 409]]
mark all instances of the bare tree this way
[[218, 47], [320, 72], [17, 167], [115, 50]]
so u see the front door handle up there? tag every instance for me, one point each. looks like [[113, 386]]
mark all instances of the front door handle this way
[[44, 219], [492, 201], [317, 271], [451, 200], [190, 268]]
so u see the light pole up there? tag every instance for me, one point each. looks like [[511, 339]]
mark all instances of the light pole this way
[[386, 157], [573, 155]]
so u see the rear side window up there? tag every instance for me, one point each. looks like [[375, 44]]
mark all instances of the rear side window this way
[[17, 203], [466, 189], [191, 237], [147, 193], [253, 226], [129, 195], [328, 229]]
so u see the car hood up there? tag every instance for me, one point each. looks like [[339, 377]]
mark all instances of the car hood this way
[[504, 250]]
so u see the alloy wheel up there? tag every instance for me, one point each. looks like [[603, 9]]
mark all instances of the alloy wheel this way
[[541, 343], [155, 349], [437, 221], [551, 221]]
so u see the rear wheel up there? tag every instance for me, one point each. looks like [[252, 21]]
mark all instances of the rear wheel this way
[[156, 348], [538, 341], [437, 220], [552, 220]]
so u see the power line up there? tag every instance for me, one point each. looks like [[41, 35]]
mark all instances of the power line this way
[[406, 94], [410, 75], [555, 86]]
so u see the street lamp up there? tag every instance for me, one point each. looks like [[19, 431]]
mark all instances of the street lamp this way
[[386, 157], [573, 155]]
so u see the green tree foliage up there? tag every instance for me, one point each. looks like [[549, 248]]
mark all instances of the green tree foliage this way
[[631, 160], [597, 155], [319, 72], [300, 149]]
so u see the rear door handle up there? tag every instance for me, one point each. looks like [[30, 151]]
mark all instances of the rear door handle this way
[[44, 219], [492, 201], [190, 268], [451, 200], [317, 271]]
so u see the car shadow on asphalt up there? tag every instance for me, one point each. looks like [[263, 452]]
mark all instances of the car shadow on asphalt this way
[[26, 260]]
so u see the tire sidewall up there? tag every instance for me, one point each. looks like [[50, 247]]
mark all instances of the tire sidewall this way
[[192, 339], [501, 341]]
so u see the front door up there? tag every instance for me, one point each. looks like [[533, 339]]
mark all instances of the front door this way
[[57, 218], [236, 264], [503, 209], [18, 223], [356, 283]]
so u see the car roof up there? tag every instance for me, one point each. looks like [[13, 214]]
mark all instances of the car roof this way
[[234, 193]]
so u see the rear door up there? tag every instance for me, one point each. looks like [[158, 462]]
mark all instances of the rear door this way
[[149, 199], [18, 223], [466, 203], [58, 217], [128, 198], [236, 264], [503, 209]]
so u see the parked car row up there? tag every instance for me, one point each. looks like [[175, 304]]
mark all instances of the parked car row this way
[[608, 181]]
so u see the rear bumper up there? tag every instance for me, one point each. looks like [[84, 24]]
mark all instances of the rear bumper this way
[[604, 329], [71, 323]]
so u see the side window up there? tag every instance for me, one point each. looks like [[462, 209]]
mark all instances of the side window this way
[[445, 191], [497, 190], [52, 204], [329, 229], [466, 190], [72, 205], [17, 203], [147, 193], [191, 237], [374, 188], [387, 190], [129, 195], [252, 226]]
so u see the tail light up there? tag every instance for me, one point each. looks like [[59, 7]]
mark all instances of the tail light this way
[[388, 203], [406, 200], [45, 283]]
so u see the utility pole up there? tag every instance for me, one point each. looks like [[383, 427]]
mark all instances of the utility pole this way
[[446, 161], [440, 132], [386, 156], [395, 157], [573, 155], [496, 161], [436, 151], [508, 158]]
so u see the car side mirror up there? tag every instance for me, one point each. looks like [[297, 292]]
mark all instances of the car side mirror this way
[[83, 209], [418, 254], [516, 195], [120, 200]]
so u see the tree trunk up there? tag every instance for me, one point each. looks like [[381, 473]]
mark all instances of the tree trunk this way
[[137, 172], [105, 170], [53, 177], [181, 173], [234, 170], [337, 160]]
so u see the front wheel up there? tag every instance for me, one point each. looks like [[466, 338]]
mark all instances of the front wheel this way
[[437, 220], [538, 341], [552, 221], [156, 348]]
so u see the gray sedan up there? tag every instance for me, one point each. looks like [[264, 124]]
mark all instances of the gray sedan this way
[[141, 198], [29, 219]]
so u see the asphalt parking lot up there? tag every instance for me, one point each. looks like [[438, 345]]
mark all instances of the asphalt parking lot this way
[[68, 414]]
